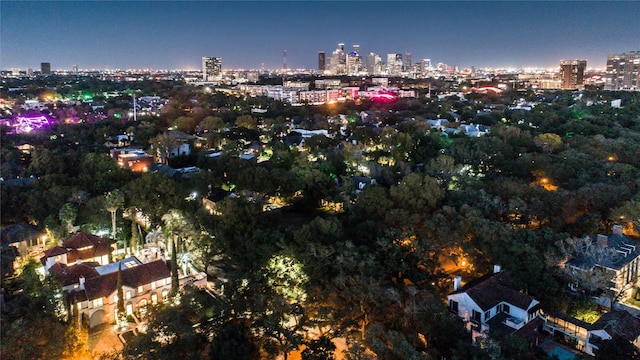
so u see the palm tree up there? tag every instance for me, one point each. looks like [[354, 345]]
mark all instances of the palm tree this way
[[156, 236], [113, 200]]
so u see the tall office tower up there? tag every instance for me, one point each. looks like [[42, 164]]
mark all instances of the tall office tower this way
[[338, 60], [29, 71], [373, 64], [354, 61], [623, 71], [322, 62], [572, 74], [394, 64], [211, 68], [425, 66], [75, 69], [407, 61], [45, 68]]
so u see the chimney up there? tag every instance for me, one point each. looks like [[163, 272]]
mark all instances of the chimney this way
[[456, 283], [617, 229], [496, 269], [603, 240]]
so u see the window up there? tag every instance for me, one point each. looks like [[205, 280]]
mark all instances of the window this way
[[505, 308], [115, 298], [164, 295], [153, 285], [154, 299], [475, 316], [97, 302], [140, 289], [453, 306], [487, 315], [129, 309], [79, 306], [127, 295]]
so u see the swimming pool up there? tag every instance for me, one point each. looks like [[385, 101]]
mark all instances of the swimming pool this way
[[562, 353]]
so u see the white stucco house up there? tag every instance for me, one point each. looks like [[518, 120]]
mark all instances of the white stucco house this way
[[492, 301]]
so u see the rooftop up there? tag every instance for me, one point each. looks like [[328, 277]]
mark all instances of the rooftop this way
[[491, 289]]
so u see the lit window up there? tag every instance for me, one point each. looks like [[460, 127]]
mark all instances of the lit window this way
[[164, 295], [115, 298], [127, 295], [154, 299], [140, 289], [79, 306], [97, 302], [153, 285]]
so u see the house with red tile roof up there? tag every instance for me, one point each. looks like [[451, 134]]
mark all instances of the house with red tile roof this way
[[143, 284], [81, 247]]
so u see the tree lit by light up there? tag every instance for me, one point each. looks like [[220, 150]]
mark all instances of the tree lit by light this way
[[287, 277]]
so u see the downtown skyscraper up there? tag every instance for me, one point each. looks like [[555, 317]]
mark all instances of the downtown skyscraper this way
[[211, 68]]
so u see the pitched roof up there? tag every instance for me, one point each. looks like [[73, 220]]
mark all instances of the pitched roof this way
[[81, 246], [81, 240], [621, 323], [622, 250], [105, 285], [491, 289], [71, 274], [54, 251]]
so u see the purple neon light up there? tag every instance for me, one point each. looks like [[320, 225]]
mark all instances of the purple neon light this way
[[28, 123]]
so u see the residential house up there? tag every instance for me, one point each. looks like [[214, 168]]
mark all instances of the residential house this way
[[615, 254], [81, 247], [132, 158], [96, 298], [180, 143], [26, 238], [213, 198], [585, 336], [439, 124], [361, 182], [474, 130], [494, 302]]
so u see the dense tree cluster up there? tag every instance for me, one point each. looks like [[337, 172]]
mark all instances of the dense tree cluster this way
[[370, 270]]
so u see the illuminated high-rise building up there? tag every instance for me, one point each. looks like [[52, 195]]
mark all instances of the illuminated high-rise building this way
[[572, 74], [425, 66], [354, 61], [322, 64], [623, 71], [211, 68], [373, 64], [338, 61], [45, 68], [394, 64], [407, 61]]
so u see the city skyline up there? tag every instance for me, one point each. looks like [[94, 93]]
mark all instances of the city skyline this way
[[176, 35]]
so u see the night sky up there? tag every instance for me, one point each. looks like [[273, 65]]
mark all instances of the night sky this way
[[176, 34]]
